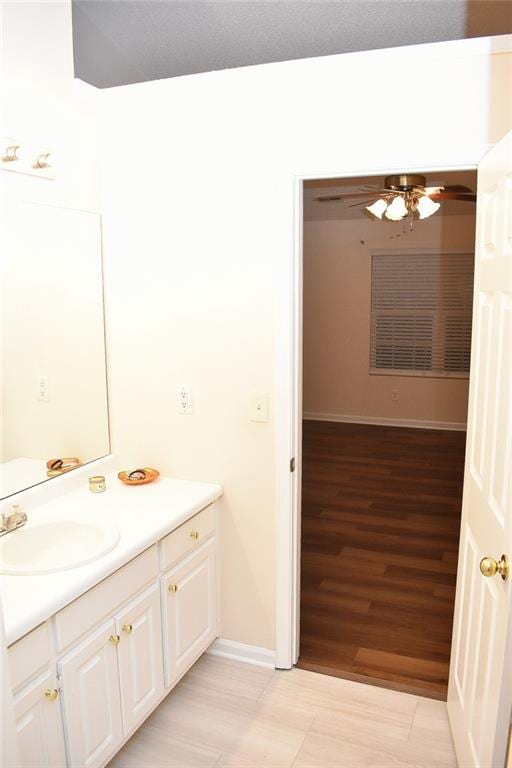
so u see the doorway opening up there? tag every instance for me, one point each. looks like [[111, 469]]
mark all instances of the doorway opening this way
[[387, 311]]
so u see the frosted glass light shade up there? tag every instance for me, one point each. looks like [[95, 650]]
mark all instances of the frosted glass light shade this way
[[377, 208], [426, 207], [397, 209]]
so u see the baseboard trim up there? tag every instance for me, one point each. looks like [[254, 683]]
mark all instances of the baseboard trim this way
[[377, 420], [250, 654]]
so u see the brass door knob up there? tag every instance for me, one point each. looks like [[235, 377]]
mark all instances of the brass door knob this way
[[489, 567], [128, 628], [172, 587], [194, 535], [51, 694], [114, 639]]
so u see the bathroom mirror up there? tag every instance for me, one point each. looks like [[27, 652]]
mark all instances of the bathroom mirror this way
[[54, 390]]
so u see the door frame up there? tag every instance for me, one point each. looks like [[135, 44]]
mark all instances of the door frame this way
[[289, 402]]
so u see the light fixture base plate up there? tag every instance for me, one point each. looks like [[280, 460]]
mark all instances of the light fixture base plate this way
[[404, 182]]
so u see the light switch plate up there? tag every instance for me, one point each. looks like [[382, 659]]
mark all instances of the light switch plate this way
[[258, 406]]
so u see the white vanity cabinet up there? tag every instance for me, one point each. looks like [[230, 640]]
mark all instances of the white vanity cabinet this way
[[190, 610], [39, 724], [108, 658], [139, 653], [113, 680], [36, 701], [91, 698]]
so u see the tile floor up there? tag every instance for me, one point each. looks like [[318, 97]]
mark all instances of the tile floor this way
[[226, 714]]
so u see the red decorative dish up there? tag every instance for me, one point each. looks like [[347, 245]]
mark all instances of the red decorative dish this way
[[139, 476]]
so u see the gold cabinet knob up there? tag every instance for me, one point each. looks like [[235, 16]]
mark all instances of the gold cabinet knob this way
[[172, 587], [194, 535], [128, 628], [114, 639], [51, 694], [490, 567]]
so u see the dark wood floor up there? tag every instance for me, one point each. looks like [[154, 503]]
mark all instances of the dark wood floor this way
[[380, 527]]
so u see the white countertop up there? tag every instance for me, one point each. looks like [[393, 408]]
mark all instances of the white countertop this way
[[143, 514]]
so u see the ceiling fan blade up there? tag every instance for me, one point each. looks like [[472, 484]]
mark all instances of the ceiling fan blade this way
[[470, 198], [376, 190], [458, 188], [361, 202], [348, 196]]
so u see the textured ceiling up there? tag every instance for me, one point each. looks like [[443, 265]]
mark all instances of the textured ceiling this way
[[127, 41]]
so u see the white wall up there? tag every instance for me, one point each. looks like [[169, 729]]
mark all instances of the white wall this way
[[44, 107], [198, 195], [337, 301]]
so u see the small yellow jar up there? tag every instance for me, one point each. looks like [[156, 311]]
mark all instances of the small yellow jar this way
[[97, 484]]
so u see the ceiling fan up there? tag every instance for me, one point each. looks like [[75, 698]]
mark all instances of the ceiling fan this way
[[403, 195]]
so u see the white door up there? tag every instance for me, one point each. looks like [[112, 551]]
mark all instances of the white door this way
[[189, 595], [39, 724], [480, 687], [141, 670], [91, 699]]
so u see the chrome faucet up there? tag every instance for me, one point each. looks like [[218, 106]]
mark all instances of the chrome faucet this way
[[12, 520]]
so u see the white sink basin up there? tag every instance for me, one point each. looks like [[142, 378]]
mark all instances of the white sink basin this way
[[54, 546]]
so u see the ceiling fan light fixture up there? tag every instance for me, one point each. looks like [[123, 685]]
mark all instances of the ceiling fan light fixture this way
[[377, 208], [397, 209], [427, 207]]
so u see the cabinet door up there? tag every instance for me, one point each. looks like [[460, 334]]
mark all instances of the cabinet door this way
[[140, 657], [190, 611], [91, 699], [39, 724]]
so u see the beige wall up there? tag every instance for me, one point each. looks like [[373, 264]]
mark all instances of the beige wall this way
[[337, 294], [199, 238]]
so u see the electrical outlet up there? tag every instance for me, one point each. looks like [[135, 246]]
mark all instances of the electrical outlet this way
[[184, 400], [394, 395], [42, 391]]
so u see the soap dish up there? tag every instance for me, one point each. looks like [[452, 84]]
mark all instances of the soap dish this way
[[139, 476]]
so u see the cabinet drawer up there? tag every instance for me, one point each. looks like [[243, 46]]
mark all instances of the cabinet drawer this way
[[29, 656], [189, 535], [100, 601]]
